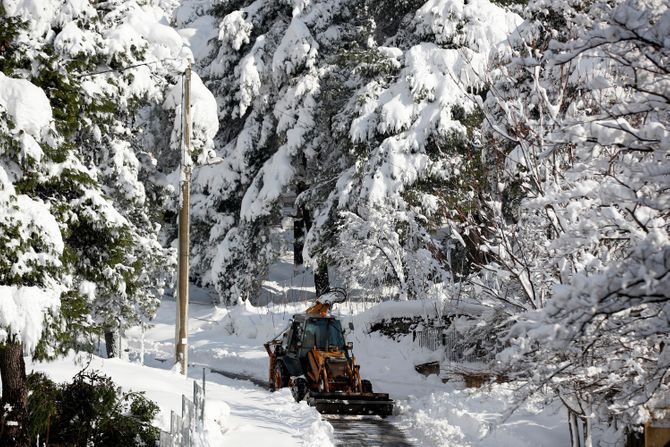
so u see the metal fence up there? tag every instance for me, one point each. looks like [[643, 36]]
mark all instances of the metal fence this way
[[430, 338], [455, 347], [184, 428]]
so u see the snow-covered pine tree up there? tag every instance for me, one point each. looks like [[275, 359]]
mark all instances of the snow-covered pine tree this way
[[115, 119], [336, 93], [31, 245], [84, 86], [413, 176], [115, 136], [46, 192], [264, 71]]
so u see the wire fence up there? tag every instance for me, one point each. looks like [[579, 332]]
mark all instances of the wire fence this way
[[430, 338], [456, 348], [184, 428]]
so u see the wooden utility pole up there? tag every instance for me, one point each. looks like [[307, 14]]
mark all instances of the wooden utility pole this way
[[185, 178]]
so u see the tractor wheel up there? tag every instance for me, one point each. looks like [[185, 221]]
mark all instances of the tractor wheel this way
[[366, 385], [281, 377], [299, 389]]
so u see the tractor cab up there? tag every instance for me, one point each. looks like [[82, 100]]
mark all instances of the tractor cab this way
[[308, 332], [324, 333]]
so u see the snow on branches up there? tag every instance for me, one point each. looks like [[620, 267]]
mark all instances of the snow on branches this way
[[30, 238], [591, 155]]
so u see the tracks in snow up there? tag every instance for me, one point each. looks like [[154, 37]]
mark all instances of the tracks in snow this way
[[367, 432], [356, 431]]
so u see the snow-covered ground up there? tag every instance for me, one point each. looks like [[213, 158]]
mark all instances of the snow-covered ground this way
[[430, 412], [235, 414]]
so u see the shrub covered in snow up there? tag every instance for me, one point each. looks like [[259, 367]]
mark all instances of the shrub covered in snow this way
[[90, 410]]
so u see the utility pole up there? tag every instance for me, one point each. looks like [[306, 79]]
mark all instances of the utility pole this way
[[181, 342]]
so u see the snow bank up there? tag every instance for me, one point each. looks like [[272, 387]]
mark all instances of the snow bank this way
[[397, 309], [473, 417]]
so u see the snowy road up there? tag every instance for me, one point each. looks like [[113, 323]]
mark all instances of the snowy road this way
[[349, 431], [237, 376], [367, 432]]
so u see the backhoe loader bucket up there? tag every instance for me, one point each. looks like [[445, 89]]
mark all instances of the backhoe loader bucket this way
[[351, 403]]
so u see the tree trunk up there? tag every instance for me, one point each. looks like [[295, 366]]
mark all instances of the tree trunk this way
[[586, 422], [14, 401], [321, 280], [298, 238], [111, 343], [574, 429], [301, 224]]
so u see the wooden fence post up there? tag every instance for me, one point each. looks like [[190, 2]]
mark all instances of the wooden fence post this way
[[199, 402], [175, 429], [187, 420]]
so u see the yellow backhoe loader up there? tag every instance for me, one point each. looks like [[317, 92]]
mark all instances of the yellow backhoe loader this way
[[312, 357]]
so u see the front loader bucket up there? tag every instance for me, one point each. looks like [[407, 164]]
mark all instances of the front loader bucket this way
[[351, 404]]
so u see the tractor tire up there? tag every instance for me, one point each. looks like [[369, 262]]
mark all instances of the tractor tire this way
[[281, 377], [299, 389], [366, 385]]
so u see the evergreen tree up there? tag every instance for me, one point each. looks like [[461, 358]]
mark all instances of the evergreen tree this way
[[318, 102], [104, 111], [79, 239]]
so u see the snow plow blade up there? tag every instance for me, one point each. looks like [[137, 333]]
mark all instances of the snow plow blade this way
[[351, 404]]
